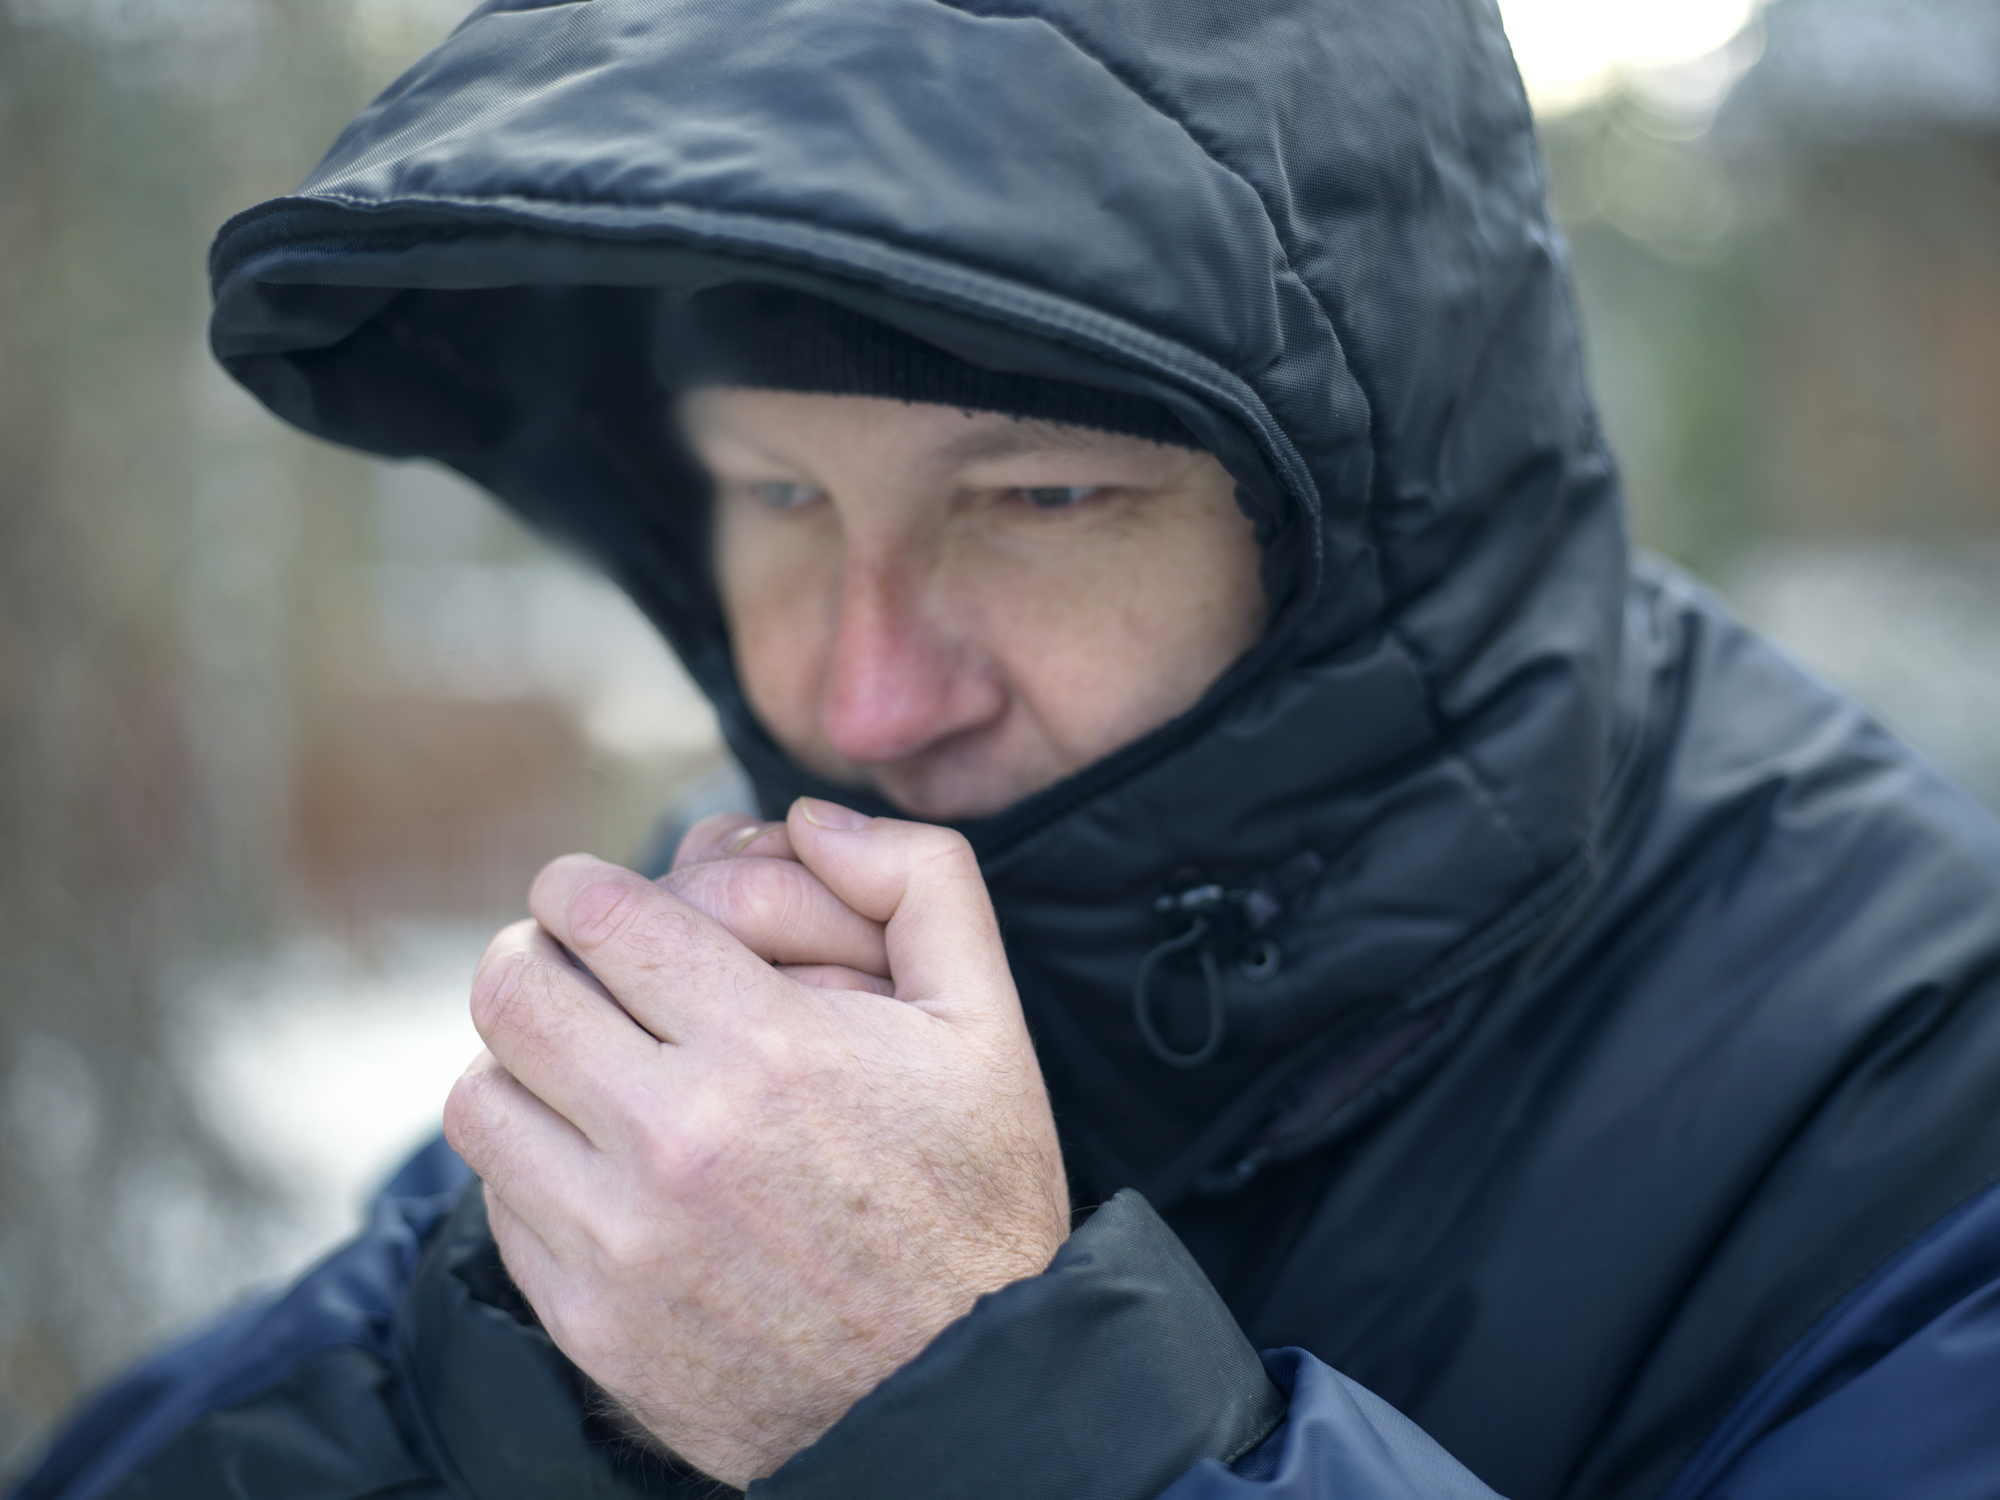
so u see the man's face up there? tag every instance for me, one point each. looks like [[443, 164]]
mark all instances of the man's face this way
[[957, 609]]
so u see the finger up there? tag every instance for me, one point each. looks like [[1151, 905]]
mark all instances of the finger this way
[[559, 1033], [536, 1270], [555, 1280], [523, 1150], [837, 977], [923, 884], [727, 835], [674, 969], [782, 912]]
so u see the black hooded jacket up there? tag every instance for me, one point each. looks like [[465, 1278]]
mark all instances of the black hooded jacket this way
[[1608, 1077]]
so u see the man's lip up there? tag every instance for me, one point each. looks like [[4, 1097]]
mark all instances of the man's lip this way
[[910, 796], [968, 755]]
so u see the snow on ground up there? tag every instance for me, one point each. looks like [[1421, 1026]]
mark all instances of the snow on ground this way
[[320, 1070]]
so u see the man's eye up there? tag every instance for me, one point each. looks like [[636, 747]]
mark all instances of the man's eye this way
[[1059, 497], [780, 494]]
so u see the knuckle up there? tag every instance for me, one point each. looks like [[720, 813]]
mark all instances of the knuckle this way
[[940, 843], [550, 880], [705, 831], [469, 1113], [753, 898], [512, 938], [605, 909], [703, 840], [579, 1324], [498, 999], [772, 1049], [625, 1242], [947, 852], [674, 1161], [760, 896]]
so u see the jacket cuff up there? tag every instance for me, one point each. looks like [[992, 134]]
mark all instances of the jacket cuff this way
[[1108, 1376]]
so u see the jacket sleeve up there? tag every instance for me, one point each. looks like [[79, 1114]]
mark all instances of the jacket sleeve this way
[[1337, 1442], [1118, 1374], [1895, 1391]]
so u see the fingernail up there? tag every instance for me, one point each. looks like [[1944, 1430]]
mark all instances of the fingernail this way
[[831, 815], [743, 838]]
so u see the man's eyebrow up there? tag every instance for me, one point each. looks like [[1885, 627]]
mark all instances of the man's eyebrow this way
[[1015, 437], [723, 430]]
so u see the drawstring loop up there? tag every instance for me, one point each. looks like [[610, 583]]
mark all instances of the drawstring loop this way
[[1142, 1006], [1239, 919]]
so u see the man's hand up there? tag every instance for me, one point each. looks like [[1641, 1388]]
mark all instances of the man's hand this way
[[746, 874], [736, 1198]]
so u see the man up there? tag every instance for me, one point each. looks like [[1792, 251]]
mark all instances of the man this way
[[1458, 962]]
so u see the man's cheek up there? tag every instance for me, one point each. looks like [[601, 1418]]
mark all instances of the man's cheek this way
[[784, 659]]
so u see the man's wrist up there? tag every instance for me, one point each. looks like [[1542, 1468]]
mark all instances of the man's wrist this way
[[1107, 1376]]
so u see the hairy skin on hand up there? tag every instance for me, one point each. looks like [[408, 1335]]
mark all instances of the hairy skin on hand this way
[[738, 1199]]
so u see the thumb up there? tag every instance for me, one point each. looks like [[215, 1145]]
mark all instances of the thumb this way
[[923, 884]]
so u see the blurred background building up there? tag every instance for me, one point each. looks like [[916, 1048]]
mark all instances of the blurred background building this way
[[284, 733]]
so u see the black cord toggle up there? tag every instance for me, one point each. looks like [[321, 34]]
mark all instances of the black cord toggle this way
[[1142, 1007], [1214, 912]]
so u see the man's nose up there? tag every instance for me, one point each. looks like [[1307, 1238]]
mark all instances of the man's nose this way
[[904, 674]]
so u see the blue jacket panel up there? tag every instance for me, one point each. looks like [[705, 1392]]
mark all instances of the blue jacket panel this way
[[1894, 1392], [351, 1299]]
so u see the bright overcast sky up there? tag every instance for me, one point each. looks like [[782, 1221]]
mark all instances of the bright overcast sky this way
[[1572, 50]]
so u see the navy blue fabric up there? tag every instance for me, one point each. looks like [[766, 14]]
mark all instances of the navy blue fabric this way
[[1338, 1442], [353, 1297], [1895, 1392]]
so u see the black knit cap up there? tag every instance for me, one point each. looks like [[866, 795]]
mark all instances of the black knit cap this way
[[773, 338]]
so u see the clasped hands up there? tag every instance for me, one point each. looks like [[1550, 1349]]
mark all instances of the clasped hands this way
[[753, 1134]]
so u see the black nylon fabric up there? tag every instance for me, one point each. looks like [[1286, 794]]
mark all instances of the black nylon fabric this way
[[327, 1431], [769, 339], [500, 1413], [1643, 997]]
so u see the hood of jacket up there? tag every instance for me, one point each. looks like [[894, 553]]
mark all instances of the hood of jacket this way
[[1315, 228]]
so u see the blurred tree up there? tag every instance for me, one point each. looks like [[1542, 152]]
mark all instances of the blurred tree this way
[[125, 135], [206, 742], [1791, 289]]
